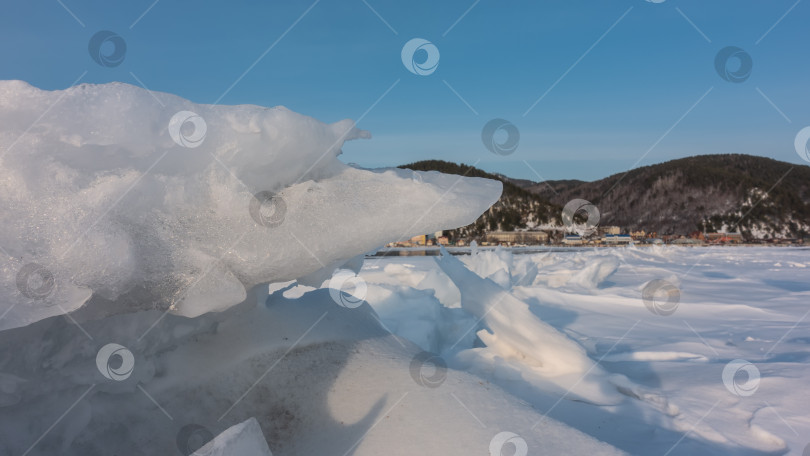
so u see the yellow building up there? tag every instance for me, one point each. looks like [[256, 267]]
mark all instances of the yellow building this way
[[419, 240], [640, 234]]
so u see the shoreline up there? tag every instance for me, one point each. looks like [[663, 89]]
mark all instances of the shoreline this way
[[525, 249]]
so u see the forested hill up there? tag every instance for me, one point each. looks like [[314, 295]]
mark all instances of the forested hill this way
[[518, 208], [760, 196]]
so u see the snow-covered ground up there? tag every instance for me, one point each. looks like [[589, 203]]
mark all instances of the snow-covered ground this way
[[554, 352], [673, 358]]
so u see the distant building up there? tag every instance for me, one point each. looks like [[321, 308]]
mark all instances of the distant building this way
[[517, 237], [617, 239], [724, 238], [419, 240], [443, 240], [610, 230], [572, 239], [640, 234]]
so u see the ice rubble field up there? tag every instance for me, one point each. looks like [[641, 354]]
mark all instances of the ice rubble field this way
[[168, 288], [735, 303]]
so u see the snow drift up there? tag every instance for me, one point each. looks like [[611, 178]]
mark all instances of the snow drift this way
[[134, 200]]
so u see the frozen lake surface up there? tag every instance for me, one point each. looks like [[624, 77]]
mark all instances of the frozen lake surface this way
[[724, 304], [663, 350]]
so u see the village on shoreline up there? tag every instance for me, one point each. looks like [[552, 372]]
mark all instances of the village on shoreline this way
[[606, 236]]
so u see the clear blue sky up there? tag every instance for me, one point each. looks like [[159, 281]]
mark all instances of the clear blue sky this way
[[607, 101]]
